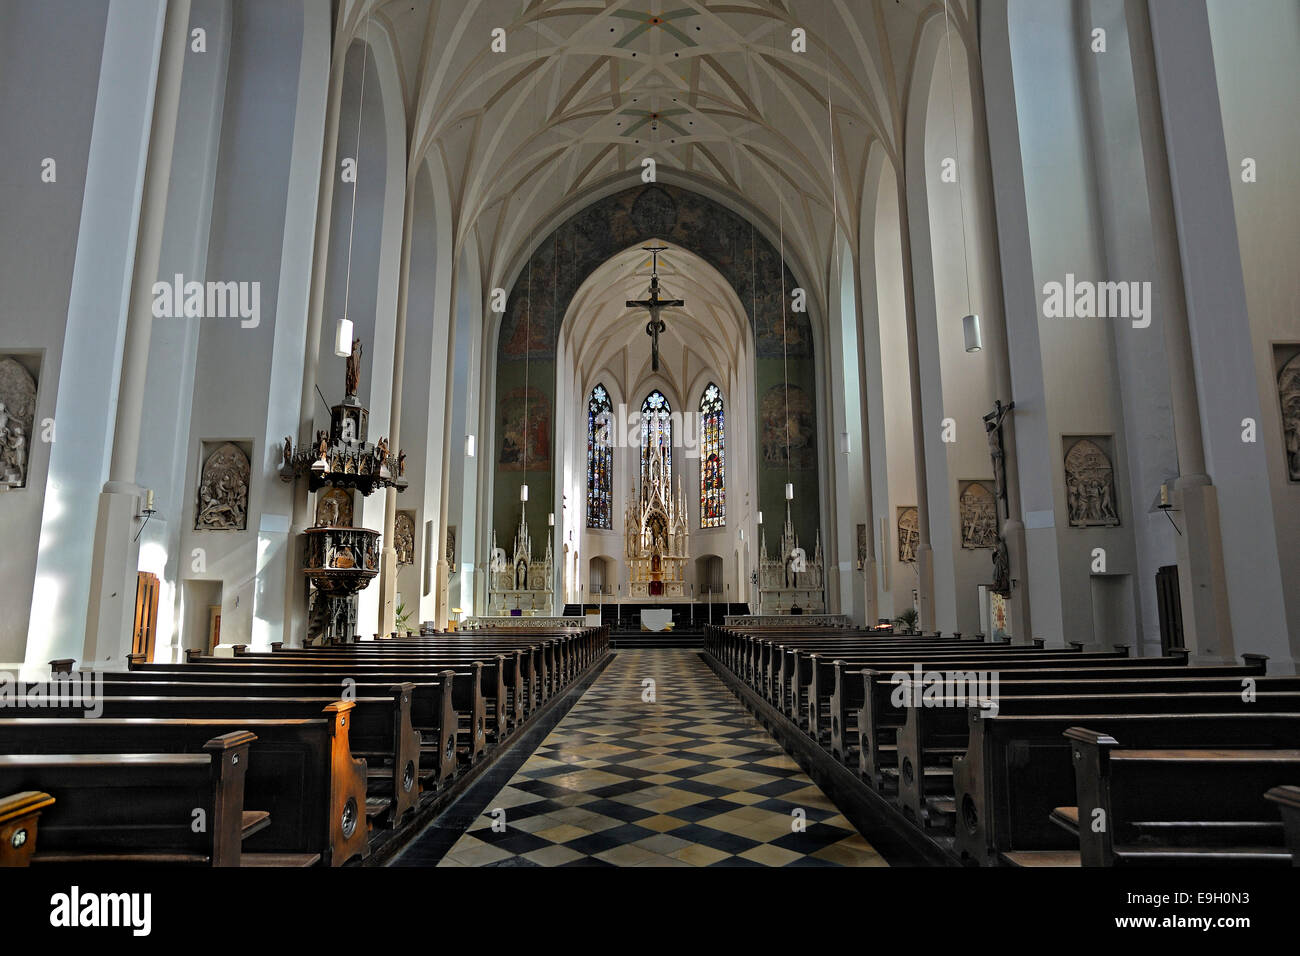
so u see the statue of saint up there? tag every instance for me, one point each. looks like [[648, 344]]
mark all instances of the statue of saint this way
[[1001, 569], [353, 380]]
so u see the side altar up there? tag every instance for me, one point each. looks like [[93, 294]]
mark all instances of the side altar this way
[[518, 581], [791, 579]]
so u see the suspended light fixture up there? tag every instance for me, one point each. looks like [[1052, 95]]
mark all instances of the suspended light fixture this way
[[469, 446], [523, 492], [970, 324], [845, 448], [550, 519], [789, 491], [343, 334], [343, 338]]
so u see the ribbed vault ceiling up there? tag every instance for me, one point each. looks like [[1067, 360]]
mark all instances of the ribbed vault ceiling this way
[[708, 88]]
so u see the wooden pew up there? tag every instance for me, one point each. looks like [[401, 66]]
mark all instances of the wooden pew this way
[[433, 714], [381, 731], [849, 684], [932, 736], [1146, 806], [140, 808], [19, 815], [300, 770], [1018, 768], [1287, 799]]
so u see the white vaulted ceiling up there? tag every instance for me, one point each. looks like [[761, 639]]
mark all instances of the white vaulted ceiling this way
[[711, 90]]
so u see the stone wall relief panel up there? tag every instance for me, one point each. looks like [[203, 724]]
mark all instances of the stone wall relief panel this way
[[909, 534], [977, 505], [1286, 362], [18, 377], [222, 503], [1090, 493]]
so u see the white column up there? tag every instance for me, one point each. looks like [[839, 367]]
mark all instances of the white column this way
[[295, 609], [924, 553], [111, 613], [388, 558]]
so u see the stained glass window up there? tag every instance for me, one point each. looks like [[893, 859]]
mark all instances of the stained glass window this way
[[600, 459], [657, 424], [713, 459]]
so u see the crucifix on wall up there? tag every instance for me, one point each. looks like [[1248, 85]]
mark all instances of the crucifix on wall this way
[[655, 305]]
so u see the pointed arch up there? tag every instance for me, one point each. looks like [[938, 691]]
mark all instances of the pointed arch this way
[[713, 458]]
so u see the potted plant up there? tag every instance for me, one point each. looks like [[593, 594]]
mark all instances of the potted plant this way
[[402, 618], [907, 620]]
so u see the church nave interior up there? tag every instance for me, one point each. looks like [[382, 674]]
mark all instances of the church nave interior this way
[[617, 433]]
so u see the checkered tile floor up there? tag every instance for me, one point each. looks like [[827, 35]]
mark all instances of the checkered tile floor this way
[[689, 779]]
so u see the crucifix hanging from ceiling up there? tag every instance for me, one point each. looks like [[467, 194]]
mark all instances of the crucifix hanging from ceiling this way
[[654, 305]]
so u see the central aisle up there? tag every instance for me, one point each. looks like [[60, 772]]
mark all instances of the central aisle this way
[[690, 779]]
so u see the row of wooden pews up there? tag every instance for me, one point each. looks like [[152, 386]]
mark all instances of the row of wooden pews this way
[[292, 757], [1022, 755]]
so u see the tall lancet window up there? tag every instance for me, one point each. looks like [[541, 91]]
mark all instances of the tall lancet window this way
[[713, 459], [657, 428], [600, 459]]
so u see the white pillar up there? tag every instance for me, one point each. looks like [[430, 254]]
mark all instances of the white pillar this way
[[924, 553], [111, 613], [295, 609]]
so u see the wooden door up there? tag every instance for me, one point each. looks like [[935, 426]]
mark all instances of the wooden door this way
[[146, 614], [1169, 604]]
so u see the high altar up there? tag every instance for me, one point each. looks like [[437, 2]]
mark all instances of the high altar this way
[[518, 581], [657, 546]]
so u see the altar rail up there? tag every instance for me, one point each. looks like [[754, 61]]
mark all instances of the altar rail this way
[[786, 620], [472, 623]]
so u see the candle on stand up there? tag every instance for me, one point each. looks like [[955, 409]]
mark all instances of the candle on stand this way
[[148, 500]]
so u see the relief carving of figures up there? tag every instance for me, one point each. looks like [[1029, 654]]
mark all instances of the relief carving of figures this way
[[909, 534], [979, 515], [404, 538], [334, 510], [1288, 393], [1090, 485], [17, 416], [451, 546], [223, 491]]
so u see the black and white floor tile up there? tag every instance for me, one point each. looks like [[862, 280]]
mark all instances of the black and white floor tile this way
[[682, 776]]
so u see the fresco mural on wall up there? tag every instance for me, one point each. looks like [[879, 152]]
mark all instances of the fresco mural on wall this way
[[726, 241], [525, 428], [774, 413]]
